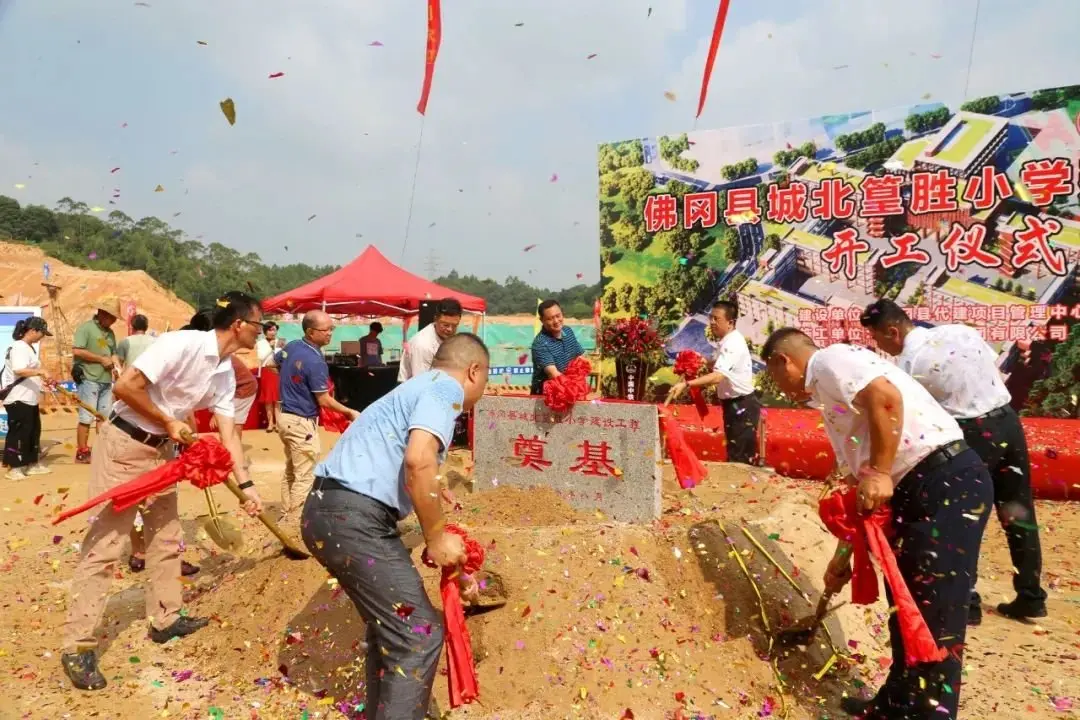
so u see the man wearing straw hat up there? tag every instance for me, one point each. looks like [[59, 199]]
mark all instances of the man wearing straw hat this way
[[94, 368]]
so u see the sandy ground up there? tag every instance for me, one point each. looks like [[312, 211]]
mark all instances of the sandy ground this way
[[603, 620]]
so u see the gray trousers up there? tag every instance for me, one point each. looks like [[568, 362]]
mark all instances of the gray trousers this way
[[357, 540]]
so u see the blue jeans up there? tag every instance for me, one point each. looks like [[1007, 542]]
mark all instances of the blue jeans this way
[[96, 395]]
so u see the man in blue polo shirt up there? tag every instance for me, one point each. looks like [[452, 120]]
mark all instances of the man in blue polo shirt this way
[[303, 384], [553, 347], [384, 467]]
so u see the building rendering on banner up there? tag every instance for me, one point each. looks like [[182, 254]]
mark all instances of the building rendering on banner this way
[[964, 216]]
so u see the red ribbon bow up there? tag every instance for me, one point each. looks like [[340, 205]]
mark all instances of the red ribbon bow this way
[[689, 365], [464, 687], [333, 420], [205, 463], [868, 536], [560, 393]]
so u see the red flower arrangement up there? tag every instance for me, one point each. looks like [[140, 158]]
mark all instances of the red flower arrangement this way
[[562, 392], [689, 365], [631, 338]]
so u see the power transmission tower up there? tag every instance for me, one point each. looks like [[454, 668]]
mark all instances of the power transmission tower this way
[[431, 265]]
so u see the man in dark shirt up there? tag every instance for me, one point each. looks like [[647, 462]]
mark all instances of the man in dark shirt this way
[[304, 388], [553, 347]]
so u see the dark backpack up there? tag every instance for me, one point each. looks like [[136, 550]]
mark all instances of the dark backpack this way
[[6, 388]]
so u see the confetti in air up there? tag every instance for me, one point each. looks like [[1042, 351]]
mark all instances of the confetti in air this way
[[228, 108]]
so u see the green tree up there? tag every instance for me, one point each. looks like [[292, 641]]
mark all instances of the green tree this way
[[629, 236], [985, 105], [636, 185], [610, 300], [1057, 395]]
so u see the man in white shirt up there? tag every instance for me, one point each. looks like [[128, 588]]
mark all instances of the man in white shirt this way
[[180, 373], [959, 369], [900, 447], [733, 376], [421, 350]]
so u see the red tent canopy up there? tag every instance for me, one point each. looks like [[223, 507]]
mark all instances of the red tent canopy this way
[[369, 285]]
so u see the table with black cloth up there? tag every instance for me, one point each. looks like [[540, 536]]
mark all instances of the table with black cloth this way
[[358, 387]]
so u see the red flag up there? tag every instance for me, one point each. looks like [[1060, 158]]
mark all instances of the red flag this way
[[718, 30], [434, 37]]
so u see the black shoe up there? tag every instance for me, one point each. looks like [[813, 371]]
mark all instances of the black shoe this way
[[82, 670], [138, 564], [856, 707], [1019, 610], [975, 616], [181, 628]]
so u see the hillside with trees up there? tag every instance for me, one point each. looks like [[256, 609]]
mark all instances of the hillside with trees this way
[[514, 295], [198, 273]]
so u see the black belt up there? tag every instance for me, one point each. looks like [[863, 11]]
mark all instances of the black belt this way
[[137, 433], [995, 413], [942, 455]]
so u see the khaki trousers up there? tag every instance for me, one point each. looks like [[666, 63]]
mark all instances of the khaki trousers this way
[[300, 436], [115, 460]]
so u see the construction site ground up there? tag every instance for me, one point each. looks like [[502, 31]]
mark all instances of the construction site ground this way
[[603, 621]]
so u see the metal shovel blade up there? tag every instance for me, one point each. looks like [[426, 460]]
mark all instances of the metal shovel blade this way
[[492, 590], [220, 529], [803, 631], [224, 534]]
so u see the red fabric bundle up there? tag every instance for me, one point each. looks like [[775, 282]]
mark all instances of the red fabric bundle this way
[[332, 420], [463, 684], [690, 365], [205, 463], [562, 392], [688, 469], [867, 535]]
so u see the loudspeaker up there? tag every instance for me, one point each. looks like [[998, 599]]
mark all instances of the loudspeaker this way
[[426, 315]]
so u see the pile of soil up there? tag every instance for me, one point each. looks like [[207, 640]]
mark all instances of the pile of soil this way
[[603, 620]]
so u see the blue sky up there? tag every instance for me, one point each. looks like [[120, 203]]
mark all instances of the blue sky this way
[[336, 137]]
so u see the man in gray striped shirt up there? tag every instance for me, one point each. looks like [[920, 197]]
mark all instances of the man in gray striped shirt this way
[[553, 347]]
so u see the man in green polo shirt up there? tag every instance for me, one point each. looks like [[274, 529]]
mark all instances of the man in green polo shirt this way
[[93, 369]]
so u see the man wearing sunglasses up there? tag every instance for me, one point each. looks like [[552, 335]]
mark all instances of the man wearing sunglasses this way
[[304, 388]]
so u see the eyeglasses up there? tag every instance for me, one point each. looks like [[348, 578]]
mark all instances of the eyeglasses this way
[[257, 324], [325, 329]]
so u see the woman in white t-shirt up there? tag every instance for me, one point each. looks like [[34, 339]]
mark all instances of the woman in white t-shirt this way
[[22, 377]]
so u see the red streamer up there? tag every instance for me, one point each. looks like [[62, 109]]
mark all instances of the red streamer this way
[[867, 535], [205, 463], [463, 685], [718, 31], [688, 469], [690, 365], [333, 420], [560, 393], [434, 39]]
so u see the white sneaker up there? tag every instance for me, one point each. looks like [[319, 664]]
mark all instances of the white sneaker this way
[[37, 469], [16, 474]]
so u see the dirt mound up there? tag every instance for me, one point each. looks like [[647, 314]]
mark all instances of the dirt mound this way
[[22, 283], [601, 618]]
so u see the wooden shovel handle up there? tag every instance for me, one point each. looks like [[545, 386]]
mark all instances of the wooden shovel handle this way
[[270, 524]]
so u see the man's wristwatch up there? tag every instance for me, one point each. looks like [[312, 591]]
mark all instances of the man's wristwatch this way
[[245, 485]]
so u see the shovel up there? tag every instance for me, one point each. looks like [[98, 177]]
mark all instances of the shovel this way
[[289, 546], [220, 529], [802, 632]]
